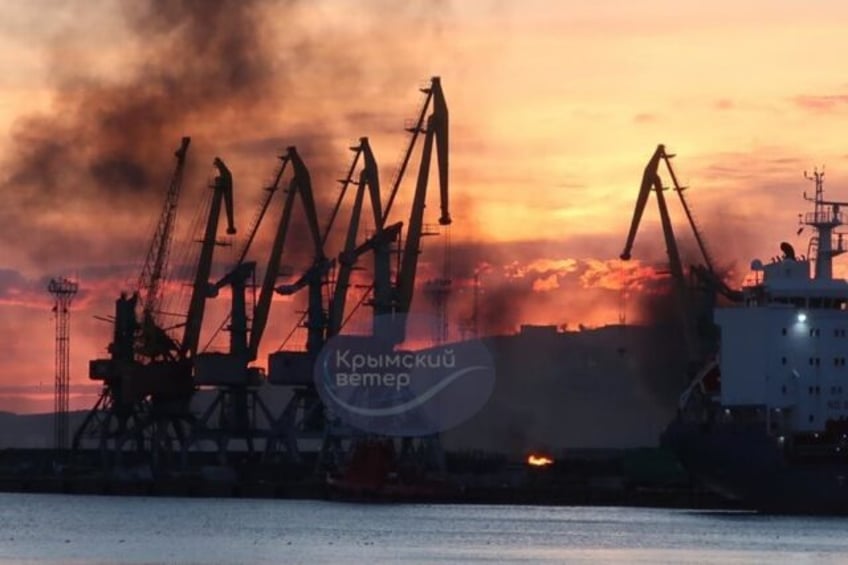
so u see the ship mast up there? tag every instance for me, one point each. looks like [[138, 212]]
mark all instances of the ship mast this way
[[824, 219]]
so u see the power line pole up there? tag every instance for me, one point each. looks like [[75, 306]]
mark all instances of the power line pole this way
[[63, 291]]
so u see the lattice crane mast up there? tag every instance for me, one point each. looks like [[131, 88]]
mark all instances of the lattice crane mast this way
[[154, 342], [145, 398]]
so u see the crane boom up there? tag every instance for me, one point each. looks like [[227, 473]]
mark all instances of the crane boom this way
[[300, 184], [345, 182], [371, 177], [698, 237], [272, 271], [369, 180], [418, 128], [304, 187], [223, 192], [440, 125], [436, 132], [346, 259], [414, 231], [150, 280], [649, 179], [263, 208]]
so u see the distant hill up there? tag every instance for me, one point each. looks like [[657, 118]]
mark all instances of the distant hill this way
[[31, 430], [36, 430]]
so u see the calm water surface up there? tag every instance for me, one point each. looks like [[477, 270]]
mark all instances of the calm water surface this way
[[77, 529]]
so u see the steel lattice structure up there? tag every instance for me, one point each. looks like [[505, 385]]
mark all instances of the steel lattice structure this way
[[63, 291]]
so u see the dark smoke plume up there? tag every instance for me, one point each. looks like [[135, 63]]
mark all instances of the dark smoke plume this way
[[227, 72], [204, 61], [205, 68]]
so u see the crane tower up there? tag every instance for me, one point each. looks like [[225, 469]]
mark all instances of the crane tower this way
[[63, 291]]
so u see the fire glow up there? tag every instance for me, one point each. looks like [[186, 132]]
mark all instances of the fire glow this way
[[539, 460]]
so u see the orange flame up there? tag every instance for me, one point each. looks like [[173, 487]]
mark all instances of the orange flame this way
[[539, 460]]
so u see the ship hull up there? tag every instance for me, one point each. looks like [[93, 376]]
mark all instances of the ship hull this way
[[742, 461]]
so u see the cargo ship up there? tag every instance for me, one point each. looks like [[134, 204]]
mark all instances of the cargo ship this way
[[766, 420]]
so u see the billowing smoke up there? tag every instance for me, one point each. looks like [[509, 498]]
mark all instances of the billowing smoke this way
[[244, 78], [203, 61], [204, 67], [84, 180]]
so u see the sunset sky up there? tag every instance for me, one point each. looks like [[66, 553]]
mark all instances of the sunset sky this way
[[555, 108]]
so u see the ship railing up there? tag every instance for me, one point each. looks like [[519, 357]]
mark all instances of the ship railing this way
[[824, 217], [837, 243]]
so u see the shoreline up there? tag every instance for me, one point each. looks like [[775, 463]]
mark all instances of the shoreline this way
[[634, 478]]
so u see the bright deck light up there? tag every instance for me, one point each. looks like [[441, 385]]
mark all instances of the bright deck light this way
[[802, 317]]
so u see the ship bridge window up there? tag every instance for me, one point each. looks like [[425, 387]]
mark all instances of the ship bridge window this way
[[815, 303]]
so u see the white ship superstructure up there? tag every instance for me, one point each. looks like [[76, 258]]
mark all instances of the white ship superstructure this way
[[784, 349]]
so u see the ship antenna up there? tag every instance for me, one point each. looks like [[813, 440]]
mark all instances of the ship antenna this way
[[826, 217], [818, 178]]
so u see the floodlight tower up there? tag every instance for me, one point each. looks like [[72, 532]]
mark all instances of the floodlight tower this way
[[63, 291]]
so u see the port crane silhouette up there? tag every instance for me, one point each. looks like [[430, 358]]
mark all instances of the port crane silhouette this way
[[696, 345], [148, 377]]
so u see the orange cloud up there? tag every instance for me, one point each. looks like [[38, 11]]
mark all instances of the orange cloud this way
[[615, 274], [545, 284], [561, 267]]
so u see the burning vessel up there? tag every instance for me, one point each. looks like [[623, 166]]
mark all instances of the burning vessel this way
[[766, 420]]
